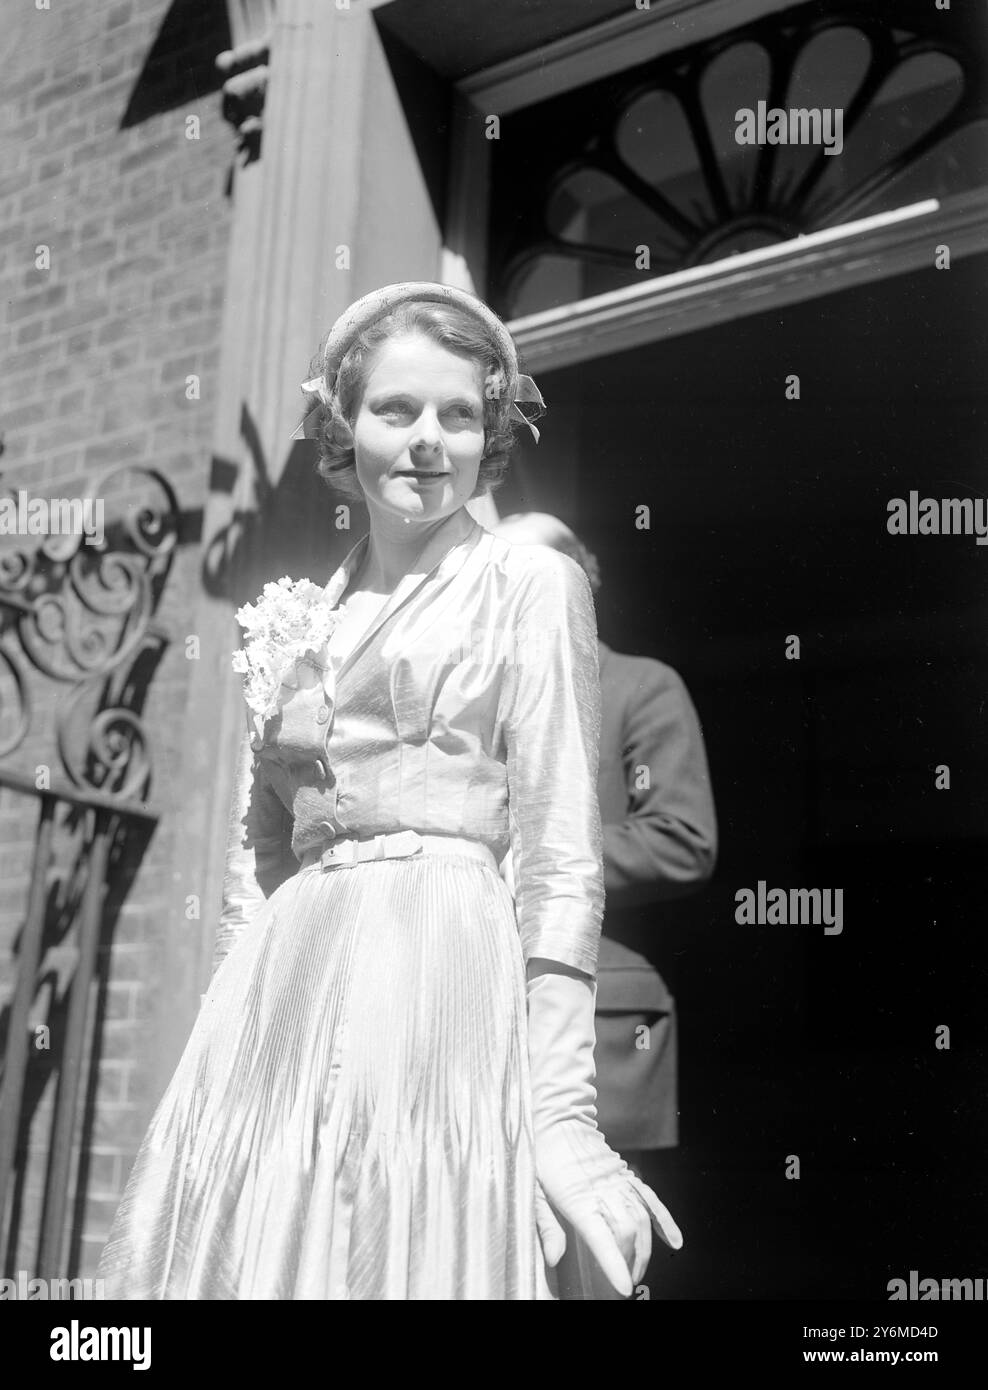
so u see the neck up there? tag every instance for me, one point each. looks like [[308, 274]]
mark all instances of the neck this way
[[394, 545]]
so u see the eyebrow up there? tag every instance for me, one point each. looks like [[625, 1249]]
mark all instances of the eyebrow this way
[[377, 397]]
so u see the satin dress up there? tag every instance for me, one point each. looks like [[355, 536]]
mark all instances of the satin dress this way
[[351, 1117]]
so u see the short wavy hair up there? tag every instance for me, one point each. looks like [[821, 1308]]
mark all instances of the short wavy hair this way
[[452, 328]]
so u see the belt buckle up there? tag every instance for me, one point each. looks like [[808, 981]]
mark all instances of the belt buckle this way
[[400, 844], [331, 858]]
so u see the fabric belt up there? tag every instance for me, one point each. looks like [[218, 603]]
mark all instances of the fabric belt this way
[[402, 844]]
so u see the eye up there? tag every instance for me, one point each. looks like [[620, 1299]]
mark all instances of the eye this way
[[461, 411], [395, 406]]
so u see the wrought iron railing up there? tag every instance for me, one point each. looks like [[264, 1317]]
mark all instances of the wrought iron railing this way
[[78, 619]]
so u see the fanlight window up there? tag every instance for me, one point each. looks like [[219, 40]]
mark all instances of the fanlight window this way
[[642, 174]]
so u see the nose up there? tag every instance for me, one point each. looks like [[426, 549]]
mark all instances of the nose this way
[[428, 435]]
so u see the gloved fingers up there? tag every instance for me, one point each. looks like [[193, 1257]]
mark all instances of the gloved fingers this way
[[630, 1225], [643, 1251], [601, 1243], [551, 1234], [661, 1217]]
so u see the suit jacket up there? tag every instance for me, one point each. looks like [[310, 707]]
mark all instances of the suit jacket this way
[[660, 842]]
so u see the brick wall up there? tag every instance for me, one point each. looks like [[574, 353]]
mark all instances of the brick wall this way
[[96, 164]]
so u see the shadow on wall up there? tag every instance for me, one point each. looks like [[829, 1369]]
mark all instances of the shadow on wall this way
[[181, 65], [293, 529]]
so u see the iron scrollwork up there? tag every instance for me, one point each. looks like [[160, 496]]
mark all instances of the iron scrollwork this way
[[81, 614]]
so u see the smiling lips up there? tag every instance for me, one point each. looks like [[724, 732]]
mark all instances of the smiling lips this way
[[423, 474]]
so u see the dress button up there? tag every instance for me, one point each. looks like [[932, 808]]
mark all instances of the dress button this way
[[322, 714]]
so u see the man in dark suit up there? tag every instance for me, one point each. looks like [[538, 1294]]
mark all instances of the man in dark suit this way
[[660, 842]]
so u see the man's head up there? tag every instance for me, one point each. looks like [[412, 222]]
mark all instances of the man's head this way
[[539, 528]]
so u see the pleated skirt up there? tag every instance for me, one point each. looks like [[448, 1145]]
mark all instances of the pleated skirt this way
[[351, 1117]]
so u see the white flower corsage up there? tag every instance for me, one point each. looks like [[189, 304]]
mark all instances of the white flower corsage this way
[[288, 627]]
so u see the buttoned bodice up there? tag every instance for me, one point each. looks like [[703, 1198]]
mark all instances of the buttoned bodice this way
[[468, 707]]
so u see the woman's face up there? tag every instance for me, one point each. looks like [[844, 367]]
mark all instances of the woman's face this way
[[419, 429]]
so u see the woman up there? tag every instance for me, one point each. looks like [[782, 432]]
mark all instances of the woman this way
[[388, 1093]]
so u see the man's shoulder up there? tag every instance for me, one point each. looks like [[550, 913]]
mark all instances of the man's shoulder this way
[[643, 674]]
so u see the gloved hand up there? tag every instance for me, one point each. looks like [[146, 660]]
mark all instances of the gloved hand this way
[[258, 852], [582, 1178]]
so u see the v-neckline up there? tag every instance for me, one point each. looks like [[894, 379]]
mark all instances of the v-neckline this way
[[433, 553], [357, 627]]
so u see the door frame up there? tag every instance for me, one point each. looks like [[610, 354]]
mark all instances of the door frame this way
[[859, 252]]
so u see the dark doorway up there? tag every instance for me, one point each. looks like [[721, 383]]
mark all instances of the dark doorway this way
[[768, 520]]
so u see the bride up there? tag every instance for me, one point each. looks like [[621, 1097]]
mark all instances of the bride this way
[[388, 1092]]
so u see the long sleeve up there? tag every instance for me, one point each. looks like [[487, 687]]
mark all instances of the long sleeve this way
[[258, 854], [666, 844], [550, 714]]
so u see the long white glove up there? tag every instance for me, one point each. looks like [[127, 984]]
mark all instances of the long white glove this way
[[584, 1180], [258, 851]]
